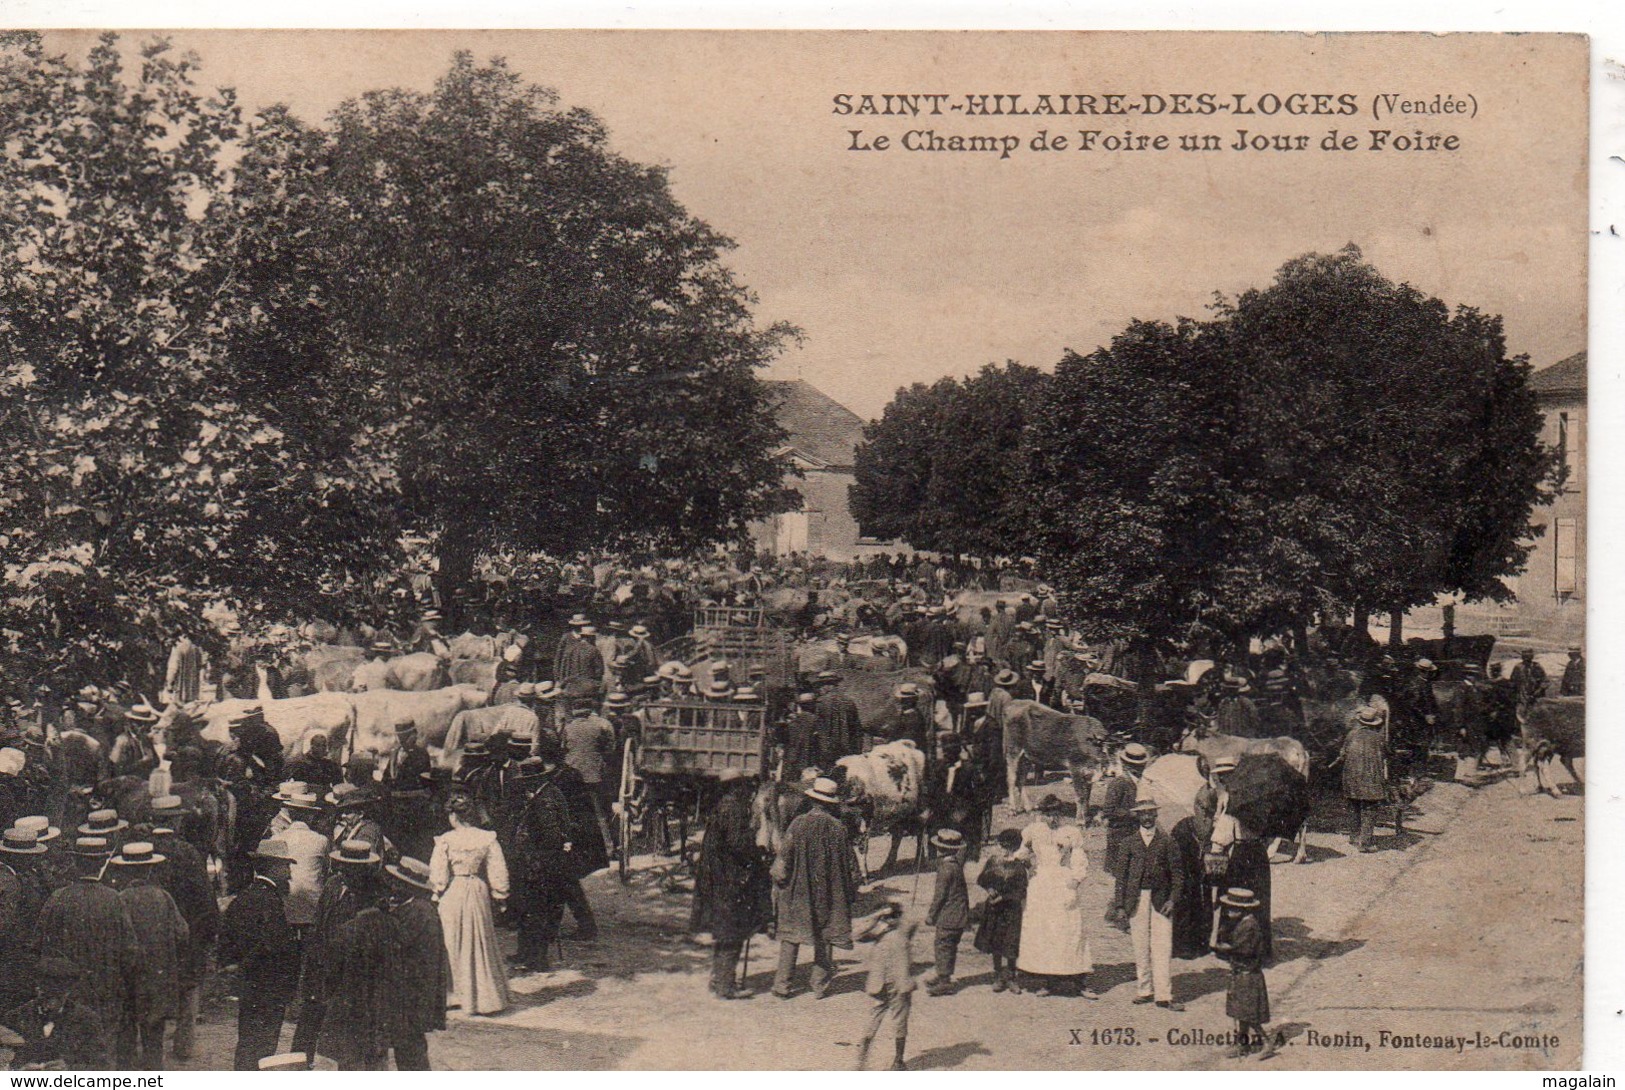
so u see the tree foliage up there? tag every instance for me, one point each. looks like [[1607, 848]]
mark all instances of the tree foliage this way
[[1333, 440], [239, 360], [138, 479], [942, 468], [549, 346]]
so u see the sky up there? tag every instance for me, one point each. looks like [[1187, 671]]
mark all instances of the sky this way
[[903, 266]]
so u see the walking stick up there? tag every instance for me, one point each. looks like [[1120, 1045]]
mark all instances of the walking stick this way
[[744, 963]]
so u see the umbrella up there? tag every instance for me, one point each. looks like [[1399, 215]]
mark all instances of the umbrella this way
[[1172, 781], [1268, 796]]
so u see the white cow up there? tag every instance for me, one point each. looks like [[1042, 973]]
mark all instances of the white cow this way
[[888, 785], [380, 712]]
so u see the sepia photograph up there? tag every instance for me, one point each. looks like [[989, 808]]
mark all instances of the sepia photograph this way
[[792, 550]]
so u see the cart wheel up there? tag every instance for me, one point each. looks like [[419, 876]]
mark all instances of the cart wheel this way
[[628, 803], [624, 857]]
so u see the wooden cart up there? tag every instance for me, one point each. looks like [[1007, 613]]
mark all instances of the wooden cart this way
[[669, 772]]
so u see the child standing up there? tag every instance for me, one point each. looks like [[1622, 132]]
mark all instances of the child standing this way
[[890, 984], [1247, 1001], [1005, 880], [950, 909]]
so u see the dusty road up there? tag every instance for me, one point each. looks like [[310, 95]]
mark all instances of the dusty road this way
[[1456, 947]]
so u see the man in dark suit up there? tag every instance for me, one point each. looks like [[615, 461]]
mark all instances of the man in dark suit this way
[[839, 724], [255, 935], [1153, 885]]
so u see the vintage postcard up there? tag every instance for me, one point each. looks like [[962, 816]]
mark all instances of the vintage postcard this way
[[792, 550]]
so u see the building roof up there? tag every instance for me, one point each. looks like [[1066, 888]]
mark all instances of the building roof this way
[[818, 426], [1564, 377]]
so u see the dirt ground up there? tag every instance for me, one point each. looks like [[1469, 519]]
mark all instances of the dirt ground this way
[[1457, 946]]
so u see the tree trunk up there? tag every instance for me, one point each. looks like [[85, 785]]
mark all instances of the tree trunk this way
[[456, 555], [1362, 619], [1300, 639], [1396, 628]]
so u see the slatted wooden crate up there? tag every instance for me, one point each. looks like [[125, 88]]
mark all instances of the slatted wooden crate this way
[[702, 739]]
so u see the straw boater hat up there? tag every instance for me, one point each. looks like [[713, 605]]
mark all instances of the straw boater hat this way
[[15, 841], [1369, 717], [165, 806], [383, 647], [806, 698], [618, 699], [431, 615], [579, 620], [976, 700], [907, 691], [1426, 665], [1144, 806], [639, 632], [410, 872], [103, 823], [949, 840], [668, 670], [273, 849], [142, 713], [1006, 678], [285, 1061], [719, 689], [588, 631], [1135, 754], [92, 847], [287, 789], [824, 790], [746, 694], [137, 853], [1236, 897], [1222, 765], [828, 677], [1036, 666], [355, 853], [41, 826]]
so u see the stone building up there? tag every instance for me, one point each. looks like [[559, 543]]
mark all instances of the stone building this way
[[823, 436]]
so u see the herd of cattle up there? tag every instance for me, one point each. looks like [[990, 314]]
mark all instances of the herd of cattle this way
[[363, 705]]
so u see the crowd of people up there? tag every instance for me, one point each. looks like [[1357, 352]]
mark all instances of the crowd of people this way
[[360, 899]]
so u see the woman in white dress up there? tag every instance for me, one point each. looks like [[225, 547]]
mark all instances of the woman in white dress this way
[[467, 871], [1053, 943]]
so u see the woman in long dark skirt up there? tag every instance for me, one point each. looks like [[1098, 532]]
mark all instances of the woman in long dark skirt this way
[[1247, 999], [999, 934]]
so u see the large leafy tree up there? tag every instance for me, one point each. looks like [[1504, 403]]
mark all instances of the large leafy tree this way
[[138, 479], [942, 468], [546, 344], [1332, 442]]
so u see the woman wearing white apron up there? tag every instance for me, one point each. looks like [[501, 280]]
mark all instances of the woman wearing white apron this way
[[1054, 946]]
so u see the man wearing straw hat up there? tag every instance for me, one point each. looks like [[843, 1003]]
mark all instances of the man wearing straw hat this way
[[86, 922], [350, 886], [1117, 811], [1153, 883], [22, 895], [1365, 774], [578, 667], [419, 971], [185, 877], [160, 936], [257, 938], [815, 873], [358, 1019]]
